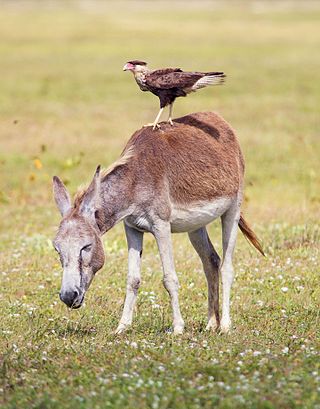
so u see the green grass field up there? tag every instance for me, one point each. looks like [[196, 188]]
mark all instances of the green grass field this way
[[66, 106]]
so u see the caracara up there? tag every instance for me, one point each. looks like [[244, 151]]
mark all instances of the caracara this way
[[170, 83]]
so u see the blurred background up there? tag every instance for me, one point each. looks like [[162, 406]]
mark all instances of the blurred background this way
[[66, 105]]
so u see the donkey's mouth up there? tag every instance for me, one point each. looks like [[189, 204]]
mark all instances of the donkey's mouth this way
[[75, 306], [78, 303]]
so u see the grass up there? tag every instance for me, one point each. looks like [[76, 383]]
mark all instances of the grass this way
[[67, 106]]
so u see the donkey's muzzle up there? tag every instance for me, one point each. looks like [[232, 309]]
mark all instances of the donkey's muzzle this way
[[71, 298]]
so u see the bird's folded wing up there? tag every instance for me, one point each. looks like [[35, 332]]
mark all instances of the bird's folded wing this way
[[163, 71], [172, 79]]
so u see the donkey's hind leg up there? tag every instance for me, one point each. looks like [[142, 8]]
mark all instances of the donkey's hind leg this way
[[230, 221], [210, 261]]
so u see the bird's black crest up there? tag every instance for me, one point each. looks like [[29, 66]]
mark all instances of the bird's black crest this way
[[137, 62]]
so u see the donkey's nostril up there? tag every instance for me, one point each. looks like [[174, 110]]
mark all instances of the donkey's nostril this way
[[69, 297], [75, 294]]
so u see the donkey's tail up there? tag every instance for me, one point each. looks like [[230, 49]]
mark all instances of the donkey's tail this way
[[250, 235]]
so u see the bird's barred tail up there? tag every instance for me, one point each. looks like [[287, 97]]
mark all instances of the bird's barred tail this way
[[209, 78], [250, 235]]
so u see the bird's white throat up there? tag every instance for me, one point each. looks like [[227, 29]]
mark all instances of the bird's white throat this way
[[140, 77]]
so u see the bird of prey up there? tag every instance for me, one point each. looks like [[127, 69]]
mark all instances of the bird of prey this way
[[170, 83]]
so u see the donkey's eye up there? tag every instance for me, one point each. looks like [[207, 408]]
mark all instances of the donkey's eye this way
[[86, 248]]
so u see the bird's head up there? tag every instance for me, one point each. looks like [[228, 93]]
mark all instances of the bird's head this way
[[135, 66]]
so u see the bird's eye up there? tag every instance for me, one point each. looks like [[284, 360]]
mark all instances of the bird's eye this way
[[86, 248]]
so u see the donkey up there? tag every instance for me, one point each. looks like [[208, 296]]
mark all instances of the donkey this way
[[177, 179]]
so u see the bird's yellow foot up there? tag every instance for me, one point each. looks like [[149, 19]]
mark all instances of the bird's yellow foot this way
[[154, 126]]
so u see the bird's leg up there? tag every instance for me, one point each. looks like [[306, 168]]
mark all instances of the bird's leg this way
[[170, 114], [155, 123]]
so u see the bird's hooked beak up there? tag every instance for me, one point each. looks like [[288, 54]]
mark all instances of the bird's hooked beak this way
[[128, 67]]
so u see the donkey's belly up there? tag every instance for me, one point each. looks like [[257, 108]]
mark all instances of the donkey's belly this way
[[191, 217]]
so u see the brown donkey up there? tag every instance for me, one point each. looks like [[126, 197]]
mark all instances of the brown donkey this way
[[178, 179]]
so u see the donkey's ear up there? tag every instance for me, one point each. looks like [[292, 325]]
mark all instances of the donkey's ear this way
[[91, 199], [61, 196]]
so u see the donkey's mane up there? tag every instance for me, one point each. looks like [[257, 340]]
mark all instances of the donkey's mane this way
[[124, 158]]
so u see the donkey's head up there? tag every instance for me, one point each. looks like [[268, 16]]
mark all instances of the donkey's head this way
[[78, 240]]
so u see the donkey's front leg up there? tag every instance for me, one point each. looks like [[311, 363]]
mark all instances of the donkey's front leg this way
[[162, 234], [135, 240]]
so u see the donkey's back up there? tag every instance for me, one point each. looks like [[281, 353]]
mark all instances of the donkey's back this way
[[199, 157]]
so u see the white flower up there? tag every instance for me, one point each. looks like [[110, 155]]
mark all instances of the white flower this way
[[284, 289], [285, 350]]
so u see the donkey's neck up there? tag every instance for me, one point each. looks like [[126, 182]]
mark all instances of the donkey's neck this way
[[116, 198]]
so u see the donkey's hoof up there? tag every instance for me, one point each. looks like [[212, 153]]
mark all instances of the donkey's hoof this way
[[121, 328], [212, 326], [225, 327], [178, 330]]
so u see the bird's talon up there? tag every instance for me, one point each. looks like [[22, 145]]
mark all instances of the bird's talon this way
[[154, 126]]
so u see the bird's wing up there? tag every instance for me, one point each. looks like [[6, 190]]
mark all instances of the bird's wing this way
[[164, 71], [164, 79]]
